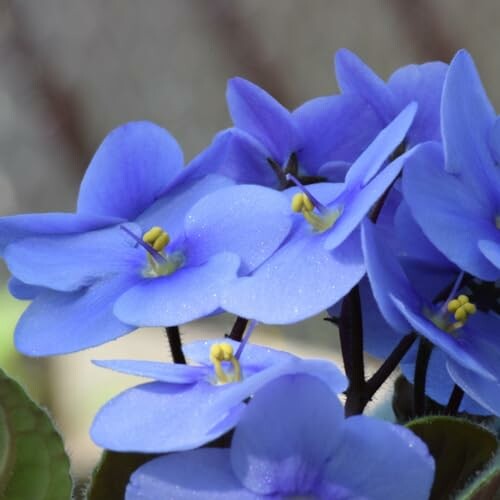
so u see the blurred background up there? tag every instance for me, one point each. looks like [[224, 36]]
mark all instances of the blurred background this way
[[72, 70]]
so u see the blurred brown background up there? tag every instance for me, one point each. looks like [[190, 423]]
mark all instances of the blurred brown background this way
[[72, 70]]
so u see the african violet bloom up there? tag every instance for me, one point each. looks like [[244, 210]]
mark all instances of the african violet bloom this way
[[293, 441], [144, 248], [468, 338], [455, 194], [323, 252], [189, 405]]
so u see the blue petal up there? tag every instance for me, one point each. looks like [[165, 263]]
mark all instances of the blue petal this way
[[359, 203], [334, 128], [257, 113], [162, 372], [354, 76], [16, 227], [439, 384], [464, 218], [387, 277], [491, 250], [204, 474], [58, 323], [129, 171], [164, 417], [170, 210], [380, 461], [22, 291], [239, 156], [69, 262], [423, 84], [485, 392], [250, 221], [467, 118], [373, 158], [185, 295], [286, 435], [300, 280]]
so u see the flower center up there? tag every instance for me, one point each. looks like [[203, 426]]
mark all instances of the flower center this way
[[321, 222], [223, 353], [454, 315]]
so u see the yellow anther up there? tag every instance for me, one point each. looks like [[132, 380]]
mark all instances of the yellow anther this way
[[462, 308], [320, 222], [157, 238], [224, 352], [151, 235]]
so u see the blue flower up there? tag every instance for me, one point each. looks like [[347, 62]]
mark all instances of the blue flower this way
[[454, 191], [190, 405], [293, 441], [160, 259], [321, 260], [468, 338]]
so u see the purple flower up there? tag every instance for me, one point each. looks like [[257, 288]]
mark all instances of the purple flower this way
[[293, 441], [190, 405]]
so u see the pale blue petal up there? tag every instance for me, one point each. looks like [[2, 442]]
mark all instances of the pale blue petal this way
[[162, 372], [22, 291], [58, 322], [381, 461], [373, 158], [129, 171], [300, 280], [69, 262], [491, 250], [185, 295], [204, 474], [334, 128], [354, 76], [250, 221], [288, 432], [260, 115], [16, 227]]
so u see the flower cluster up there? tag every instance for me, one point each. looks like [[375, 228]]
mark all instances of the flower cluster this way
[[380, 205]]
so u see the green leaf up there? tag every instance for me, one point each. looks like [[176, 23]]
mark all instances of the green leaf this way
[[110, 478], [485, 487], [33, 463], [459, 447]]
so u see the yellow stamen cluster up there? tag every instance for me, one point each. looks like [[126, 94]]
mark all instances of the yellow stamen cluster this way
[[462, 308], [301, 203], [157, 238], [224, 352]]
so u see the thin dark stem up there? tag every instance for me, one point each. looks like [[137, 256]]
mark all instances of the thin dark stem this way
[[420, 376], [456, 397], [279, 172], [174, 341], [351, 341], [374, 383], [238, 329]]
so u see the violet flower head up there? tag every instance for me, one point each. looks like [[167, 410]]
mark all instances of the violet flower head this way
[[294, 441], [161, 257], [323, 251], [189, 405]]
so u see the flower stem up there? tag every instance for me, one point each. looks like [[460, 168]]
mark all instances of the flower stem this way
[[175, 343], [419, 378], [351, 341], [238, 329], [456, 397]]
